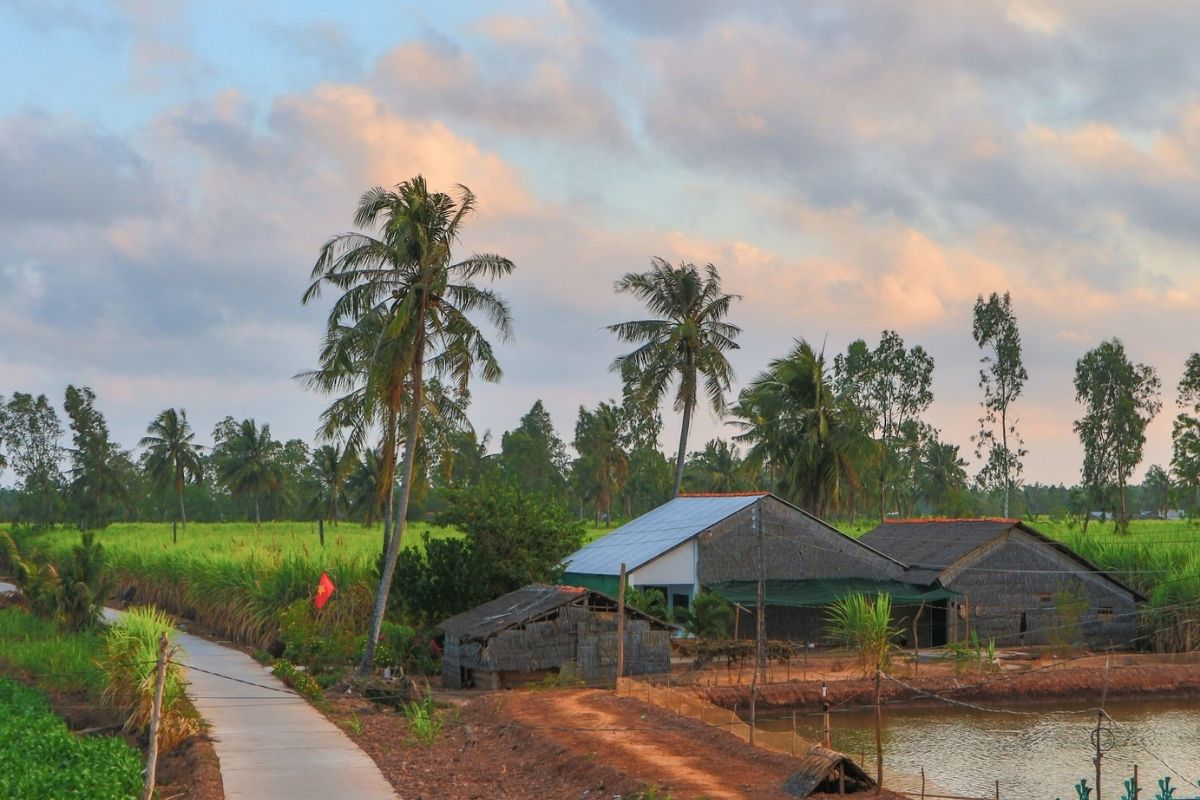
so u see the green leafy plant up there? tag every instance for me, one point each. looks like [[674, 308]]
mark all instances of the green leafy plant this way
[[297, 679], [129, 660], [865, 625], [424, 720], [40, 758], [651, 602], [85, 582], [708, 618]]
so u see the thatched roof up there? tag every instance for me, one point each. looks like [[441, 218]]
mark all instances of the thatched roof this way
[[528, 604], [819, 771], [931, 546]]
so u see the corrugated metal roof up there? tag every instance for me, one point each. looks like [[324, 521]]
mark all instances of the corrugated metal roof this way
[[656, 532]]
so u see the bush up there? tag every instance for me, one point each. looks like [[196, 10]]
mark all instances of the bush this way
[[407, 652], [709, 617], [317, 639], [129, 662], [297, 679], [40, 758]]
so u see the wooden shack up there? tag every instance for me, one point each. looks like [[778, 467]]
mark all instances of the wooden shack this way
[[827, 771], [543, 630], [1012, 583]]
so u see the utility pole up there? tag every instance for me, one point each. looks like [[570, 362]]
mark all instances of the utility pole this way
[[621, 631], [760, 636]]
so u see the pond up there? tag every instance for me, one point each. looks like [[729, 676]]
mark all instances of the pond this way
[[1039, 753]]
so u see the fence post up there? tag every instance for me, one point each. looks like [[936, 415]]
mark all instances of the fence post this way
[[878, 731], [997, 790], [825, 714], [174, 533], [160, 679], [793, 732], [321, 530], [922, 783]]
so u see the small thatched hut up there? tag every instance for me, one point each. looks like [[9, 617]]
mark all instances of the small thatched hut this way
[[541, 630], [828, 771]]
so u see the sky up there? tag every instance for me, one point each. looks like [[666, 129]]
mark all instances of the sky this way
[[169, 170]]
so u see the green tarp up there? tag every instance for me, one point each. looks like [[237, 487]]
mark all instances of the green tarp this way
[[824, 592], [605, 584]]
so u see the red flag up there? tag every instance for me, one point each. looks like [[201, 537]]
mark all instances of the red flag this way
[[325, 589]]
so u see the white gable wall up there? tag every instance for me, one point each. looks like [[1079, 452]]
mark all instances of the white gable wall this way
[[674, 568]]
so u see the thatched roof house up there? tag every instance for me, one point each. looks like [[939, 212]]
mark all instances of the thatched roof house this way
[[709, 542], [542, 630], [1014, 584]]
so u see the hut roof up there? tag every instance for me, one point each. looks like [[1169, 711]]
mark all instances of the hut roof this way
[[510, 610], [656, 532], [819, 768], [527, 604], [931, 546]]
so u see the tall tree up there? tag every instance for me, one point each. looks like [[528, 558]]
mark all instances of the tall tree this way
[[809, 438], [407, 304], [942, 477], [533, 457], [1119, 399], [247, 460], [97, 464], [602, 468], [31, 432], [891, 386], [1157, 490], [684, 343], [173, 457], [1002, 378], [1185, 432]]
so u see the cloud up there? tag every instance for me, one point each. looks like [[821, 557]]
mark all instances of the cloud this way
[[519, 81]]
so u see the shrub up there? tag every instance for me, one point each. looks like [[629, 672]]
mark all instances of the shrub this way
[[866, 626], [318, 638], [708, 618], [297, 679], [129, 662], [84, 584]]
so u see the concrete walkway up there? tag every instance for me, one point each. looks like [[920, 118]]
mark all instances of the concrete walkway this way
[[271, 743]]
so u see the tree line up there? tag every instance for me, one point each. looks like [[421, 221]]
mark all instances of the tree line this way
[[841, 436]]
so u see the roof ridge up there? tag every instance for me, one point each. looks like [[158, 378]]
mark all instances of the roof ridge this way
[[917, 520], [722, 494]]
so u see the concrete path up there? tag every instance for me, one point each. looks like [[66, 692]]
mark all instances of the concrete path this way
[[271, 743]]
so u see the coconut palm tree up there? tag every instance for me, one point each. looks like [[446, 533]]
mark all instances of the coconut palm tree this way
[[247, 462], [402, 293], [684, 343], [172, 454], [331, 466], [797, 427]]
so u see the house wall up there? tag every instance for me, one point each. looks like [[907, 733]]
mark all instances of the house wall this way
[[676, 567], [587, 640], [994, 596], [809, 624], [797, 547]]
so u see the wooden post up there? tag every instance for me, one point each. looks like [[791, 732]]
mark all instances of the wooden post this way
[[879, 732], [621, 628], [759, 651], [793, 732], [1099, 722], [917, 639], [174, 531], [1135, 782], [321, 530], [998, 790], [825, 709], [761, 634], [160, 680], [922, 783]]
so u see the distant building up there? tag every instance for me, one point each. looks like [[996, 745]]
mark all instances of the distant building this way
[[1011, 583], [542, 630]]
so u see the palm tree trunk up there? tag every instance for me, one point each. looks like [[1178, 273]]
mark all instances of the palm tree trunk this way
[[401, 511], [257, 515], [179, 491], [682, 455]]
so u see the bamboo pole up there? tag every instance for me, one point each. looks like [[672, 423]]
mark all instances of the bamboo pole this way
[[878, 732], [160, 680]]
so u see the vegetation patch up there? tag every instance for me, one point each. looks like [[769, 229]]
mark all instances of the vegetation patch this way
[[40, 758]]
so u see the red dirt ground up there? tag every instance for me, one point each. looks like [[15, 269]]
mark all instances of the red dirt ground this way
[[566, 744]]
